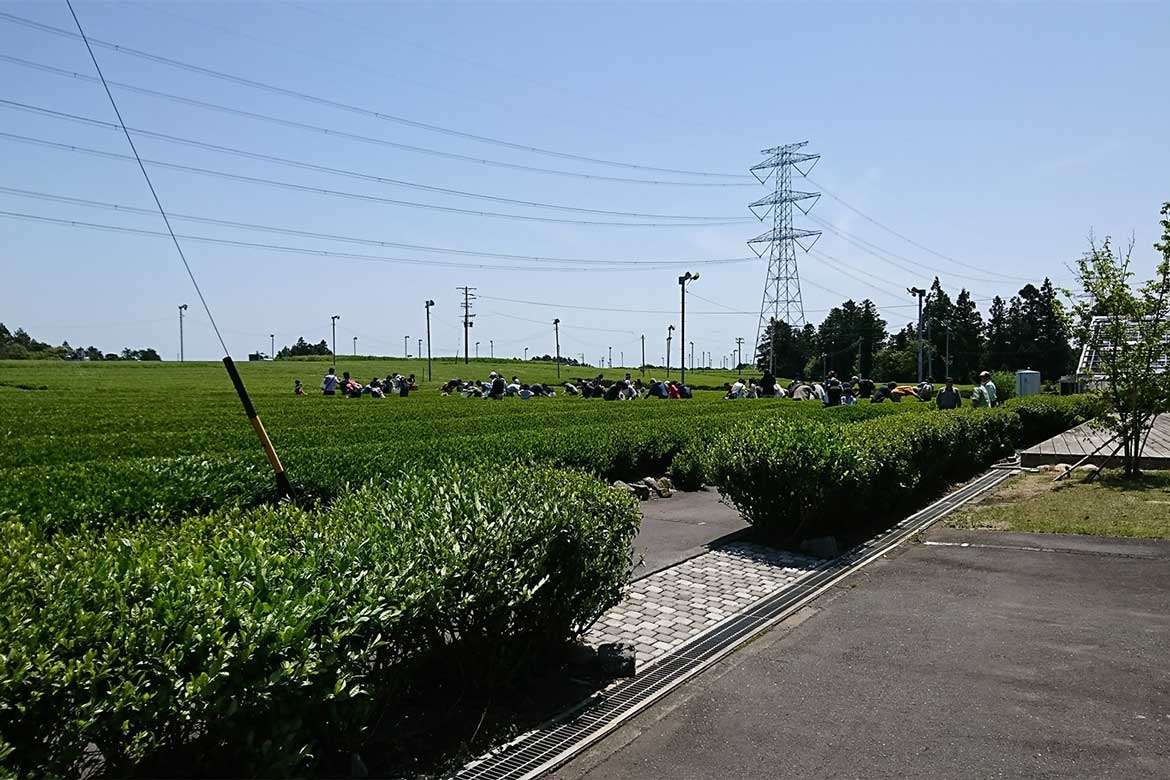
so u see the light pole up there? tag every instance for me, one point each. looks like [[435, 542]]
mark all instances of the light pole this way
[[429, 304], [355, 346], [669, 337], [611, 357], [333, 322], [622, 357], [921, 294], [477, 350], [492, 348], [182, 308], [739, 355], [557, 334], [272, 347], [419, 353], [643, 355], [526, 353], [682, 355], [406, 346], [692, 354]]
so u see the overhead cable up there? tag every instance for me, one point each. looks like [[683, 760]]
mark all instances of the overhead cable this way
[[260, 85], [62, 115]]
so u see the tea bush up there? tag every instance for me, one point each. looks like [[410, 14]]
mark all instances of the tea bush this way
[[1045, 416], [256, 640], [795, 479]]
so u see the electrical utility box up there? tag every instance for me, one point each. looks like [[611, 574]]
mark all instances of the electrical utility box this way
[[1027, 383]]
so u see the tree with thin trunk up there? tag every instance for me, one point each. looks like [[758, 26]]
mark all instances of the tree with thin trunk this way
[[1128, 330]]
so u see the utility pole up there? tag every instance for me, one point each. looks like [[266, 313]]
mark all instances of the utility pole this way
[[419, 353], [355, 346], [492, 348], [334, 320], [669, 336], [929, 353], [948, 349], [739, 354], [526, 353], [428, 306], [406, 346], [477, 350], [468, 297], [921, 295], [682, 352], [782, 301], [557, 334], [692, 355], [611, 357], [643, 355], [824, 365], [272, 345], [182, 308]]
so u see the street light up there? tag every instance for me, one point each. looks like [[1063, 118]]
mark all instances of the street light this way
[[182, 308], [492, 348], [272, 347], [333, 321], [557, 333], [477, 350], [669, 337], [429, 304], [355, 346], [526, 353], [682, 285], [406, 346], [921, 294]]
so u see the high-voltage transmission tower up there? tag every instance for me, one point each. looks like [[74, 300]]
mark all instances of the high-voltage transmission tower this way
[[782, 301]]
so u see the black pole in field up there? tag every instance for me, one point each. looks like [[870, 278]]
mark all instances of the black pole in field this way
[[429, 304], [283, 487], [557, 333]]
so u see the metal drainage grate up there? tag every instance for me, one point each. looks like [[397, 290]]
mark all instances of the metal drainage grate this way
[[549, 746]]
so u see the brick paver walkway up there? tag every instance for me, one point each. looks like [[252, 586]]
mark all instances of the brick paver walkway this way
[[671, 607]]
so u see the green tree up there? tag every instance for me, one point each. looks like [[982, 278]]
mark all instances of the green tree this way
[[793, 348], [998, 342], [966, 329], [1131, 338]]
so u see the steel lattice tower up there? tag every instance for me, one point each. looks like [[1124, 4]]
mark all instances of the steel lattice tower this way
[[782, 301]]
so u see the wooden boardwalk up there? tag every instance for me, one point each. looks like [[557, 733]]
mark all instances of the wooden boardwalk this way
[[1071, 446]]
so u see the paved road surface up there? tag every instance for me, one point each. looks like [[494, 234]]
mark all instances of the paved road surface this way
[[937, 662], [681, 527]]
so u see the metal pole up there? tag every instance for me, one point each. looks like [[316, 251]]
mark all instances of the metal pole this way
[[355, 346], [406, 346], [419, 353], [492, 348], [739, 355], [921, 294], [429, 304], [272, 348], [643, 355], [333, 321], [682, 321], [669, 338], [929, 353], [557, 332], [182, 308], [526, 353], [477, 350], [611, 357]]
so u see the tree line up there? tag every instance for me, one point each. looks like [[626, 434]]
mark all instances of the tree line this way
[[18, 345], [1030, 330]]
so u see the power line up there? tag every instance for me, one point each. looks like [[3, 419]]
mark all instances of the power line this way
[[336, 133], [254, 84], [297, 250], [145, 175], [342, 193], [909, 240], [341, 171], [621, 263]]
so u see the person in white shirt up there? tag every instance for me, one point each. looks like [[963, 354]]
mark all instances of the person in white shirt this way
[[737, 389], [329, 383]]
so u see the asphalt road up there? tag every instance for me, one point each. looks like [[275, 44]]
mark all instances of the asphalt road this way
[[681, 527], [935, 662]]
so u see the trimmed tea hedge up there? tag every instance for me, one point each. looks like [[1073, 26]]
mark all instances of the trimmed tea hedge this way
[[254, 641]]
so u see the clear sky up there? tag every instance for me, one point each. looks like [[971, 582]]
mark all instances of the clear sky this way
[[996, 134]]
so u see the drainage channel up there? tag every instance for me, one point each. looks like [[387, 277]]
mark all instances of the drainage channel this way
[[545, 748]]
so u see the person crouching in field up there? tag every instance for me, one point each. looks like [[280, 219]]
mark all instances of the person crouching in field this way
[[329, 383], [298, 388]]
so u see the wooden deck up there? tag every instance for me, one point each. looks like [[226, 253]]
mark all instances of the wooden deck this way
[[1071, 446]]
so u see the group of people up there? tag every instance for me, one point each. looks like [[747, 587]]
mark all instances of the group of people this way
[[837, 392], [347, 386], [496, 387]]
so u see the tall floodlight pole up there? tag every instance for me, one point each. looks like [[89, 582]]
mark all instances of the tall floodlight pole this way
[[477, 350], [643, 355], [406, 346], [921, 295], [682, 318], [355, 346], [492, 348], [669, 336], [782, 301], [611, 357], [739, 354], [333, 321], [182, 308], [429, 304], [557, 334], [526, 353], [272, 345], [468, 297], [622, 357]]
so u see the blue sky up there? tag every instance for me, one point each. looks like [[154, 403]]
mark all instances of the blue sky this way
[[997, 135]]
